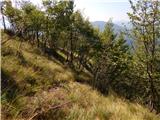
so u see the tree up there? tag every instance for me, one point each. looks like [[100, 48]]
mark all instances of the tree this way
[[14, 16], [108, 34], [145, 18], [112, 63], [86, 41]]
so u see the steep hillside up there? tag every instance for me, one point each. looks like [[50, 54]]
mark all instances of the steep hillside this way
[[36, 86]]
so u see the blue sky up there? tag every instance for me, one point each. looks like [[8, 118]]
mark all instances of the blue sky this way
[[102, 10]]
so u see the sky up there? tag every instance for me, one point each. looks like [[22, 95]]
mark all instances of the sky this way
[[102, 10]]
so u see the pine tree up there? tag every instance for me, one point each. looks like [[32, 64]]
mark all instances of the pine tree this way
[[112, 65]]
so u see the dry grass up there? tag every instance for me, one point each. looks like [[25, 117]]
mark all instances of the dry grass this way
[[37, 83], [92, 105]]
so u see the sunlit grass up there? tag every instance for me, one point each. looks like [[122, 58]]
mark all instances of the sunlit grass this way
[[39, 83]]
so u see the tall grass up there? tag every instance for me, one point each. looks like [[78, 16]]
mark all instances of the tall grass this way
[[32, 83]]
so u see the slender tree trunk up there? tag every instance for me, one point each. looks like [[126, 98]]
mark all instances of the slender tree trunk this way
[[71, 46], [37, 39]]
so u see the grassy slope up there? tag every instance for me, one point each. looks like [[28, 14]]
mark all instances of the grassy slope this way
[[34, 85]]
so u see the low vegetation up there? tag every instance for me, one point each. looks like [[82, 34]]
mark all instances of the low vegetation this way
[[35, 86]]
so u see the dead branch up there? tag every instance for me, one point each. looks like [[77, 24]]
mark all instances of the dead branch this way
[[50, 108]]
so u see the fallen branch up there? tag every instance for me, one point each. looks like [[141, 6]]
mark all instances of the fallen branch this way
[[2, 43], [50, 108]]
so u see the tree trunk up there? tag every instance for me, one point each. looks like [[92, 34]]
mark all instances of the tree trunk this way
[[71, 46], [37, 39]]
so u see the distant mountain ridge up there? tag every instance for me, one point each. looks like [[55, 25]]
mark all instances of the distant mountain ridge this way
[[118, 25]]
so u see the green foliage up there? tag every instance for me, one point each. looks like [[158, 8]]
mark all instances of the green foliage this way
[[113, 63], [145, 20], [108, 34]]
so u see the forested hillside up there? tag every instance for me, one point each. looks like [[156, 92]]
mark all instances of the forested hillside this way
[[57, 65]]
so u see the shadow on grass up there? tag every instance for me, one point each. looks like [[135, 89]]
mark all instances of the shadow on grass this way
[[9, 86], [54, 54], [57, 114]]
